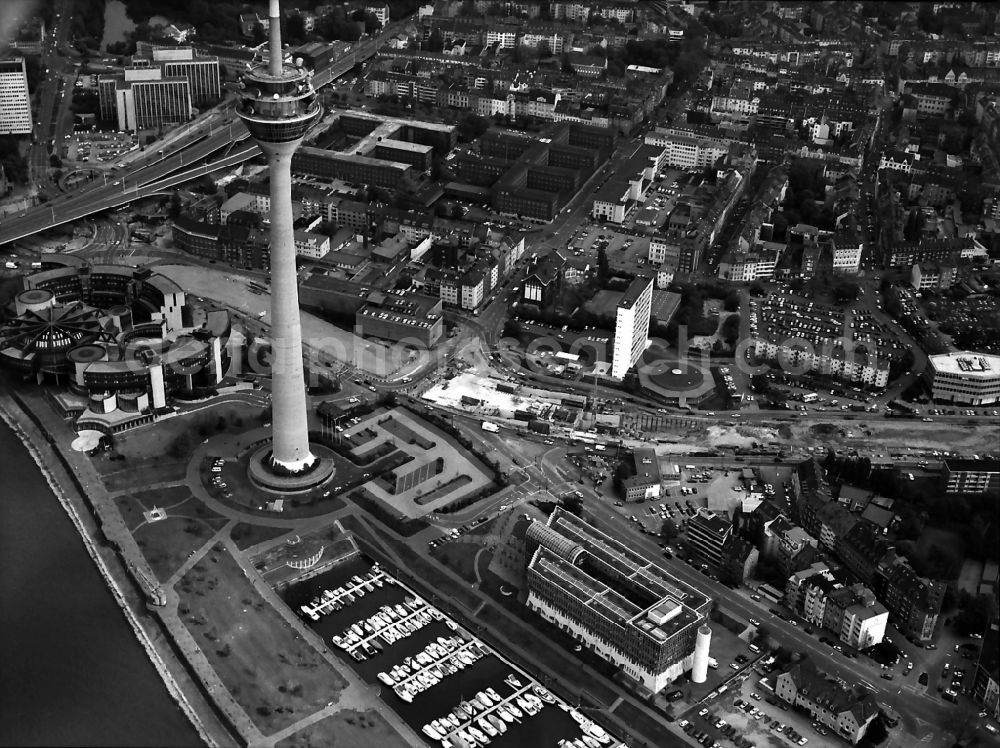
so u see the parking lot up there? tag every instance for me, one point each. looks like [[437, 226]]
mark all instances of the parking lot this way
[[748, 715]]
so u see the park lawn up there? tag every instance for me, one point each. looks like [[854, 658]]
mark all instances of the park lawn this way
[[347, 729], [459, 557], [268, 667], [166, 497], [168, 543], [158, 439], [121, 476], [246, 535]]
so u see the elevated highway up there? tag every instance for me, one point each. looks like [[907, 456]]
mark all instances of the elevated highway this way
[[194, 150]]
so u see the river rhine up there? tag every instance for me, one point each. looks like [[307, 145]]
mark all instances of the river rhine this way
[[73, 672]]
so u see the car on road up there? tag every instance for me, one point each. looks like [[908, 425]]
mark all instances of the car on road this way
[[754, 622]]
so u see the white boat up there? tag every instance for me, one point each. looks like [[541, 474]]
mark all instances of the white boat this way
[[430, 732], [590, 742], [357, 629], [513, 708], [451, 624], [483, 724], [597, 732], [543, 694], [505, 713], [404, 694], [402, 611], [485, 700], [513, 681], [478, 734], [467, 738], [467, 707], [527, 706], [386, 678], [580, 719]]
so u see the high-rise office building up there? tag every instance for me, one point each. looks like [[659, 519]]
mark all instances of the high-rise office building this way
[[632, 326], [202, 73], [143, 98], [278, 106], [15, 103]]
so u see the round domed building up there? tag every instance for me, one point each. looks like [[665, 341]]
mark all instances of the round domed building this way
[[116, 335]]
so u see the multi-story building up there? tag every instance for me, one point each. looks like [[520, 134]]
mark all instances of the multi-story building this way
[[646, 482], [201, 72], [789, 545], [932, 275], [849, 611], [965, 378], [707, 534], [687, 150], [414, 317], [617, 603], [15, 102], [849, 712], [144, 98], [914, 602], [631, 326], [972, 477]]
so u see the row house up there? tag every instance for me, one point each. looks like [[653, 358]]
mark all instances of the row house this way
[[851, 612]]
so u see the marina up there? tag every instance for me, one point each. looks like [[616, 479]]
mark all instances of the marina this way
[[451, 687]]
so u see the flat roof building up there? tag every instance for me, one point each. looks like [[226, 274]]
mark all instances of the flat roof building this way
[[631, 326], [972, 476], [647, 479], [965, 377], [626, 609], [15, 102], [707, 533]]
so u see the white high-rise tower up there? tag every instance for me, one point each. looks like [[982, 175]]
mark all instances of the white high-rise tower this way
[[278, 106]]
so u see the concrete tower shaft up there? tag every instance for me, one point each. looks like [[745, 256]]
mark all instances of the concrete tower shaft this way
[[699, 668], [278, 106]]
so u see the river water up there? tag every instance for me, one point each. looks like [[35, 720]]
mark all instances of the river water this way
[[543, 730], [71, 670]]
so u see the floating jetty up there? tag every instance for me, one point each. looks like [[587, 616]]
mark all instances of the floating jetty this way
[[388, 625], [437, 661], [333, 600]]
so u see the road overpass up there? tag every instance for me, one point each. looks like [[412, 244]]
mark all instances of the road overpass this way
[[224, 144]]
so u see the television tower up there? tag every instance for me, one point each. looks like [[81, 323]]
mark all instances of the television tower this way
[[278, 106]]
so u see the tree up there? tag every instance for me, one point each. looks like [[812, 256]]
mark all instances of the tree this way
[[295, 28], [257, 33], [668, 530]]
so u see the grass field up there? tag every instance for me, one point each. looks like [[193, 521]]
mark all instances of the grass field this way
[[459, 557], [246, 535], [168, 542], [347, 729], [157, 439], [122, 475], [267, 666]]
